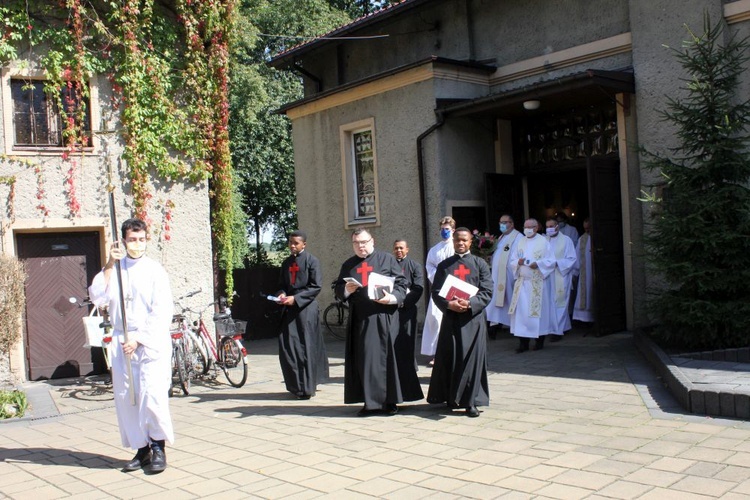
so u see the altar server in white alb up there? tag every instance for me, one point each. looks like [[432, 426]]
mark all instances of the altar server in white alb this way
[[562, 278], [584, 306], [147, 425], [531, 307], [435, 256], [502, 274]]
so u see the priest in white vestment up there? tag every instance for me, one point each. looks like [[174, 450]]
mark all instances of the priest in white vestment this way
[[502, 274], [566, 228], [583, 310], [147, 424], [435, 256], [562, 277], [531, 308]]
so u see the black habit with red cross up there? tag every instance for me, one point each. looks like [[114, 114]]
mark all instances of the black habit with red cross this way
[[407, 313], [459, 376], [371, 372], [302, 352]]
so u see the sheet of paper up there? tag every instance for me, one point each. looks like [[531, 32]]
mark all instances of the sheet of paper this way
[[352, 280], [376, 281]]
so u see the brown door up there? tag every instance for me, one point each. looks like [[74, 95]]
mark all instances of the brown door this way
[[606, 240], [59, 266]]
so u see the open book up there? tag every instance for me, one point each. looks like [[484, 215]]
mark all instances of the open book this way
[[454, 288]]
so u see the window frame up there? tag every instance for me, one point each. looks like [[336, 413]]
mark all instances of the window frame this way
[[9, 125], [349, 174]]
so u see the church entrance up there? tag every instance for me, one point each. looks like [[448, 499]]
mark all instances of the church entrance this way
[[570, 163]]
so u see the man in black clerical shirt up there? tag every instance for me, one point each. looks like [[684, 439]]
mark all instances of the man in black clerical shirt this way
[[302, 353], [406, 343], [371, 375], [459, 377]]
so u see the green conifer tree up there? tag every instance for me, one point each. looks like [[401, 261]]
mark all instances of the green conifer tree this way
[[699, 238]]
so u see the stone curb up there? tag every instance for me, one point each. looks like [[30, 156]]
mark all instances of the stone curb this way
[[706, 399]]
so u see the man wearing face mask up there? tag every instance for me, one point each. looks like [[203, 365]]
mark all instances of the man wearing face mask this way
[[502, 275], [531, 312], [147, 425], [435, 256], [562, 278], [371, 370]]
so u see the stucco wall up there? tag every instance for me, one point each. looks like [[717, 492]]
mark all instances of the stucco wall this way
[[186, 256], [400, 116]]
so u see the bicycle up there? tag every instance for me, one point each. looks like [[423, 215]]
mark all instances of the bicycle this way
[[182, 367], [225, 350], [335, 317]]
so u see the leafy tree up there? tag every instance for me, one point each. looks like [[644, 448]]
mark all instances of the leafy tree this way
[[262, 153], [359, 8], [700, 235]]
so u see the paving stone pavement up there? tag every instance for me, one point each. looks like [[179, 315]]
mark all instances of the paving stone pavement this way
[[583, 418]]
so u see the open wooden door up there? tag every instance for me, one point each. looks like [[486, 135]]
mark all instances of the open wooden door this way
[[504, 194], [606, 238]]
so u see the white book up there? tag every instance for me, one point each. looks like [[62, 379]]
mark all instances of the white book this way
[[454, 288]]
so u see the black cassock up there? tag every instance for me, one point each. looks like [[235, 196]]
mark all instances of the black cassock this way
[[406, 343], [371, 373], [459, 376], [302, 352]]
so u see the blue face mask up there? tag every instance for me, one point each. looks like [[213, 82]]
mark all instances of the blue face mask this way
[[503, 228], [445, 233]]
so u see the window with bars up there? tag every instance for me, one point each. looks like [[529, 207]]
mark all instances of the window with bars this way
[[37, 117]]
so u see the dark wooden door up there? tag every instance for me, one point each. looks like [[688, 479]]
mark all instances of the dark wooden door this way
[[504, 194], [59, 266], [606, 240]]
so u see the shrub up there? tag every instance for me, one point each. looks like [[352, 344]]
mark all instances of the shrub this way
[[12, 301]]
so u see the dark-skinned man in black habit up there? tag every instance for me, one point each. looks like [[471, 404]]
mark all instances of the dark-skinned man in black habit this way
[[371, 374], [459, 377], [406, 343], [302, 352]]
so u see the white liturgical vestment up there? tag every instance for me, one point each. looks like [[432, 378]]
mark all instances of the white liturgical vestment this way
[[502, 278], [149, 308], [583, 310], [562, 279], [532, 308], [434, 316]]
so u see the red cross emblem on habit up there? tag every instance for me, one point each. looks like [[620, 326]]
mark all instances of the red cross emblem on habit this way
[[462, 272], [364, 271], [293, 272]]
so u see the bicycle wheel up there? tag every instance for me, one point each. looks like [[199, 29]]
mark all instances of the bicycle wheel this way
[[334, 318], [199, 354], [233, 361], [182, 372]]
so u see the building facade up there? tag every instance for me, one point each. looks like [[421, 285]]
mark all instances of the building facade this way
[[473, 108], [57, 220]]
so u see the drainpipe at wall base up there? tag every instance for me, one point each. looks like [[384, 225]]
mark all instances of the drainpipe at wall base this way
[[422, 196]]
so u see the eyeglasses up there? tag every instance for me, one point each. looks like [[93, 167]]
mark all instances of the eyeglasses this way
[[506, 222], [361, 243]]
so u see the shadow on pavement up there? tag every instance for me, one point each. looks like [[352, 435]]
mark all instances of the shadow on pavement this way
[[54, 456]]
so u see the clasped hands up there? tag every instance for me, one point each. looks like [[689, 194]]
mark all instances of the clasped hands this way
[[458, 305], [286, 300]]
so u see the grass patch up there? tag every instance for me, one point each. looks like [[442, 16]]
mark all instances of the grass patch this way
[[12, 404]]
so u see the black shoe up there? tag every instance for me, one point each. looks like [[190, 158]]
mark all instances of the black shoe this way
[[366, 412], [521, 349], [556, 338], [472, 412], [390, 409], [539, 344], [303, 396], [158, 458], [140, 460]]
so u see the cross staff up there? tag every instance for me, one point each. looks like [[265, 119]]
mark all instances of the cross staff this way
[[113, 221]]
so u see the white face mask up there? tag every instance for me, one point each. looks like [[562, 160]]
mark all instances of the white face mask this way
[[136, 249], [529, 231], [551, 231]]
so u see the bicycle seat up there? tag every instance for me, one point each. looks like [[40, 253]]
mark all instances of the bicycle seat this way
[[221, 316]]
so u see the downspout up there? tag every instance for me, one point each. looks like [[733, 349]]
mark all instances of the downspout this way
[[470, 31], [422, 193]]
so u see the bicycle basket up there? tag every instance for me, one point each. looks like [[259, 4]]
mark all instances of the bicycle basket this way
[[225, 327], [240, 326]]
